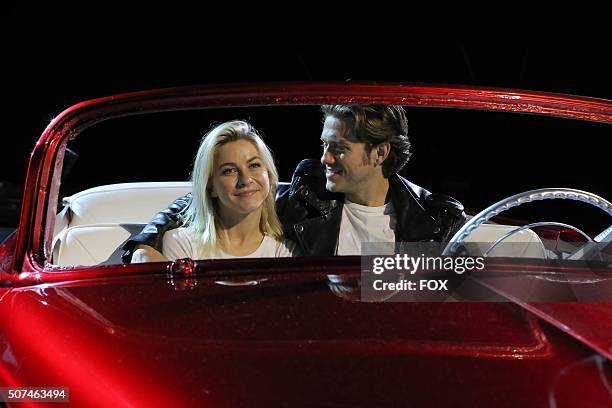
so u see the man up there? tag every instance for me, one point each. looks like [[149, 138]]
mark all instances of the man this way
[[353, 195]]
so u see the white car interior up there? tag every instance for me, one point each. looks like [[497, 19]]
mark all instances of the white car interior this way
[[95, 223]]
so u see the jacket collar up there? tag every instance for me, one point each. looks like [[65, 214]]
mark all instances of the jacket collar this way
[[413, 221]]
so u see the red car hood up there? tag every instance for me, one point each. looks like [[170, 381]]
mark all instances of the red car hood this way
[[285, 340]]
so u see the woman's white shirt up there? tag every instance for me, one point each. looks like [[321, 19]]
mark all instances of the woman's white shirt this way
[[180, 243]]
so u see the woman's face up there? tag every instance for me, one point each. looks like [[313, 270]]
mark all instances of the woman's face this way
[[240, 179]]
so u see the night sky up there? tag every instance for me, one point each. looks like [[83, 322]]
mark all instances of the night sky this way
[[57, 55]]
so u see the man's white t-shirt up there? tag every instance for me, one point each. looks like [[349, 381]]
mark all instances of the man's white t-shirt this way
[[361, 223], [180, 243]]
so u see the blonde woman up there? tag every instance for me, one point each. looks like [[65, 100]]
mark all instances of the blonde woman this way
[[231, 213]]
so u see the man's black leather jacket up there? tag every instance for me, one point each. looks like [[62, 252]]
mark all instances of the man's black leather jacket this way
[[311, 215]]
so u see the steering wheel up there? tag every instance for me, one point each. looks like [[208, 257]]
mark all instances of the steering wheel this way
[[527, 197]]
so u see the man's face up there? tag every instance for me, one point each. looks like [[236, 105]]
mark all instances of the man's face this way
[[348, 167]]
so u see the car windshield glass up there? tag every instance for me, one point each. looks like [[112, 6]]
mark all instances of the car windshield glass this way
[[119, 173]]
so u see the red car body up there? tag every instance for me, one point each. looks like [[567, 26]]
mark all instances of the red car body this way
[[275, 332]]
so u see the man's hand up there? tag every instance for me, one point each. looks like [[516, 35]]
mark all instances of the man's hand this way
[[145, 253]]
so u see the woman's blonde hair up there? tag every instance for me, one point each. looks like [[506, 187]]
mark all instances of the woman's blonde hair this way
[[202, 213]]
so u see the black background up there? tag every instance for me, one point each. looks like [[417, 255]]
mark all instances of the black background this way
[[55, 55]]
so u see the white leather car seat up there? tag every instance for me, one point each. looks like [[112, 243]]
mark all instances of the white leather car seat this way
[[93, 244], [522, 244], [106, 214], [94, 223], [122, 203]]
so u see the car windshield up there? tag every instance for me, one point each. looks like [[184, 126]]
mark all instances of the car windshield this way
[[119, 173]]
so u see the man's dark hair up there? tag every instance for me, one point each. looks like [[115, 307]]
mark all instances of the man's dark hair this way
[[376, 124]]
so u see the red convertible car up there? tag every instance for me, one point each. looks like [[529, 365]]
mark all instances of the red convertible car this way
[[295, 331]]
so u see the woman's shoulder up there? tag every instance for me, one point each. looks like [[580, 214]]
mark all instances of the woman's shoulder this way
[[178, 243]]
